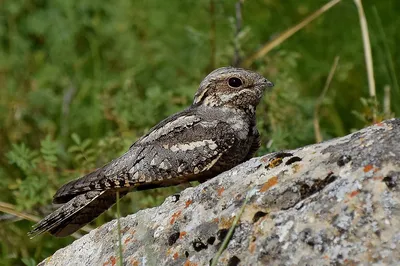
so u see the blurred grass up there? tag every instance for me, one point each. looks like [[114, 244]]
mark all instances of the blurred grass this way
[[82, 80]]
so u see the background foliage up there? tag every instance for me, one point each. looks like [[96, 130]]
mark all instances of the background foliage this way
[[81, 80]]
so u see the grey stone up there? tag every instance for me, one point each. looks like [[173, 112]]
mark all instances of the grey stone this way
[[332, 203]]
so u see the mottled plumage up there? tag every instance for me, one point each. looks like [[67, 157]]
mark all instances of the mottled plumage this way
[[217, 132]]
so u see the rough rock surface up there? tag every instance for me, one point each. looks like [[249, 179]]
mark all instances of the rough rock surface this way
[[333, 203]]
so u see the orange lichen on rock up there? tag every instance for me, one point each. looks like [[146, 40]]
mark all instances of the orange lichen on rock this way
[[188, 202], [128, 239], [134, 262], [226, 222], [354, 193], [182, 234], [189, 263], [174, 216], [270, 183], [275, 162], [176, 255], [111, 261], [220, 190], [368, 168]]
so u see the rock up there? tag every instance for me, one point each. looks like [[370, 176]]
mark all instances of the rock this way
[[332, 203]]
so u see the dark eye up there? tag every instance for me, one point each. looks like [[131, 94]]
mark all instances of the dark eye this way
[[235, 82]]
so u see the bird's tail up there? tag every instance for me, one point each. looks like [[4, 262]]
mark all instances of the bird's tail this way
[[76, 213]]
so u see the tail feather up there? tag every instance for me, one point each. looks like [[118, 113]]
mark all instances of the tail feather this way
[[78, 186], [100, 179], [76, 213]]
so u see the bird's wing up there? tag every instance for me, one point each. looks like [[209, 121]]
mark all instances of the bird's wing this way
[[181, 148]]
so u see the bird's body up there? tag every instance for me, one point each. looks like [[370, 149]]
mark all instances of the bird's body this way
[[217, 132]]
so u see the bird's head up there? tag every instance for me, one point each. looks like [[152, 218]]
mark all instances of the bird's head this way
[[232, 87]]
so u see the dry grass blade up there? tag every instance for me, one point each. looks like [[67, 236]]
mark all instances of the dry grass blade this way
[[213, 34], [367, 48], [386, 102], [288, 33], [120, 259], [317, 131], [11, 209], [236, 56]]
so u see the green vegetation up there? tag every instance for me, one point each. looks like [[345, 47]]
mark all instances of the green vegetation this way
[[82, 80]]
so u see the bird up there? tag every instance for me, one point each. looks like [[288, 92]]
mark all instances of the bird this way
[[215, 133]]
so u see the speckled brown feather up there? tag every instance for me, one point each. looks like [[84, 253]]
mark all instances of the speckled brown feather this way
[[217, 132]]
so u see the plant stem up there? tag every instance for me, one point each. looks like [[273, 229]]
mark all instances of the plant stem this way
[[288, 33], [367, 48], [317, 131], [120, 262], [232, 228]]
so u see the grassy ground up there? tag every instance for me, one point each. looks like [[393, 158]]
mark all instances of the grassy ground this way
[[81, 80]]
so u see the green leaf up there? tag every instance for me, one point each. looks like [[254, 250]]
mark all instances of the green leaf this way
[[75, 137], [23, 157], [49, 151], [29, 261]]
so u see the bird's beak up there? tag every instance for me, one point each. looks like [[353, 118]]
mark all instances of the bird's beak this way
[[268, 83]]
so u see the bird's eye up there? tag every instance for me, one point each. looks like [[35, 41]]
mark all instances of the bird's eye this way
[[235, 82]]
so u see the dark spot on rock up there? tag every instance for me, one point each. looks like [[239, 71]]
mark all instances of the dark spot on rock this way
[[234, 261], [172, 238], [293, 160], [186, 254], [198, 245], [211, 240], [344, 159], [221, 234], [310, 242], [282, 155], [305, 235], [258, 215], [175, 197], [330, 178], [390, 181], [307, 190]]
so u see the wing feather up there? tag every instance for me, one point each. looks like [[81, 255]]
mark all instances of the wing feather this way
[[182, 147]]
